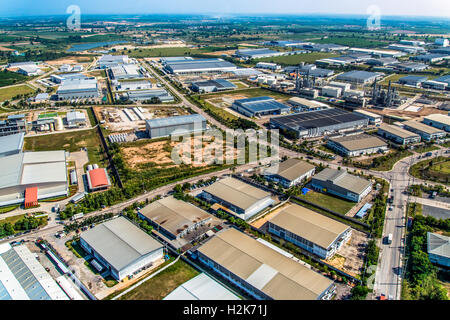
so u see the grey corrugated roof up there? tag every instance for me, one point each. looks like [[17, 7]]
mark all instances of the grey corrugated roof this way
[[397, 131], [13, 142], [343, 179], [359, 142], [178, 120], [120, 242], [438, 245], [291, 169]]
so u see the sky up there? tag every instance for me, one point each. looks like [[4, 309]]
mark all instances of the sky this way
[[438, 8]]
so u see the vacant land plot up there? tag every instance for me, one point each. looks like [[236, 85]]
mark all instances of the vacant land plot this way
[[11, 92], [296, 59], [326, 201], [248, 93], [436, 169], [8, 78], [70, 141], [162, 284]]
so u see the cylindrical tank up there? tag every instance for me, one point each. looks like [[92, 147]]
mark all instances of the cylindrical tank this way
[[59, 124], [95, 166], [89, 167]]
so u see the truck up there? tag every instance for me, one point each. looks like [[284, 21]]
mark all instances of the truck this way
[[77, 216], [389, 238]]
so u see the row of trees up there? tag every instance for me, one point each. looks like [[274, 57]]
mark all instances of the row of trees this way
[[24, 224]]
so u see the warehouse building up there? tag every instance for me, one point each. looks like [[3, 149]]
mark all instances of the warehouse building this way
[[108, 61], [212, 85], [29, 70], [121, 247], [309, 69], [414, 81], [357, 145], [427, 133], [406, 48], [435, 85], [32, 176], [175, 125], [318, 123], [410, 66], [75, 119], [13, 124], [397, 134], [342, 184], [11, 144], [379, 53], [60, 78], [302, 104], [343, 86], [381, 62], [22, 277], [440, 121], [143, 95], [259, 106], [78, 89], [174, 218], [290, 172], [201, 287], [238, 198], [257, 53], [97, 178], [261, 271], [438, 247], [133, 85], [199, 66], [432, 57], [359, 77], [309, 230], [125, 71], [267, 65], [328, 91]]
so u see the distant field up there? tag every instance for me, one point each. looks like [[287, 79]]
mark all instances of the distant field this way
[[354, 41], [162, 284], [8, 93], [8, 78], [296, 59]]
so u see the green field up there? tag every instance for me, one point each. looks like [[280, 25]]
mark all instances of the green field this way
[[326, 201], [162, 284], [48, 115], [10, 92], [8, 78], [70, 141], [296, 59], [436, 169], [12, 220], [163, 52]]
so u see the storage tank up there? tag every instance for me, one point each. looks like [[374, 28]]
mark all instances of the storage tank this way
[[59, 124], [89, 167], [95, 166]]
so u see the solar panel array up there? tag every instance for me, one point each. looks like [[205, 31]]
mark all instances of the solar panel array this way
[[317, 119]]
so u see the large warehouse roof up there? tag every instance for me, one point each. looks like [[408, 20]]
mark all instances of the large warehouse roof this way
[[120, 242], [271, 272], [236, 192], [397, 131], [441, 118], [343, 179], [309, 225], [261, 104], [201, 287], [198, 65], [177, 120], [11, 143], [438, 244], [358, 76], [317, 119], [359, 142], [291, 169], [174, 215], [422, 127]]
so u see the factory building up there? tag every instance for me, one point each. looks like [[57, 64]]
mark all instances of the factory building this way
[[381, 62], [397, 134], [97, 178], [13, 124], [435, 85], [379, 53], [432, 57], [174, 218], [343, 86], [125, 71], [175, 125], [318, 123], [29, 70], [266, 273], [359, 77], [121, 247], [410, 67], [267, 65], [333, 92], [32, 176], [237, 198], [78, 89], [143, 95], [309, 69], [302, 104], [75, 119], [60, 78], [309, 230], [199, 66], [259, 106], [357, 145], [133, 85], [257, 53], [442, 42], [445, 79], [406, 48], [342, 184], [212, 85], [290, 172], [414, 81], [440, 121], [427, 133], [11, 144], [108, 61], [22, 277], [438, 248]]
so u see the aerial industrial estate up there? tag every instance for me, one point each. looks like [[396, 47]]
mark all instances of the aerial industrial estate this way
[[133, 164]]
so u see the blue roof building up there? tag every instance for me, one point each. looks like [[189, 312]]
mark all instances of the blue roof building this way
[[259, 106], [11, 144]]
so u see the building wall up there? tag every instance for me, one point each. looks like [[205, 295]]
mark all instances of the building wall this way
[[426, 136], [78, 94], [16, 194], [436, 124], [156, 132], [396, 138], [345, 152], [442, 261], [289, 183], [338, 191]]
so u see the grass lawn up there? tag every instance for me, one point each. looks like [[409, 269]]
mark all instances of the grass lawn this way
[[443, 167], [162, 284], [324, 200], [424, 149], [436, 169], [11, 220], [296, 59], [10, 92], [69, 141], [164, 52], [8, 78], [9, 208]]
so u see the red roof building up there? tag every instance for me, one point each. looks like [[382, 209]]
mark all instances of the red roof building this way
[[98, 179], [31, 197]]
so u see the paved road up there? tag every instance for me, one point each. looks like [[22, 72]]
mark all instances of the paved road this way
[[431, 203]]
